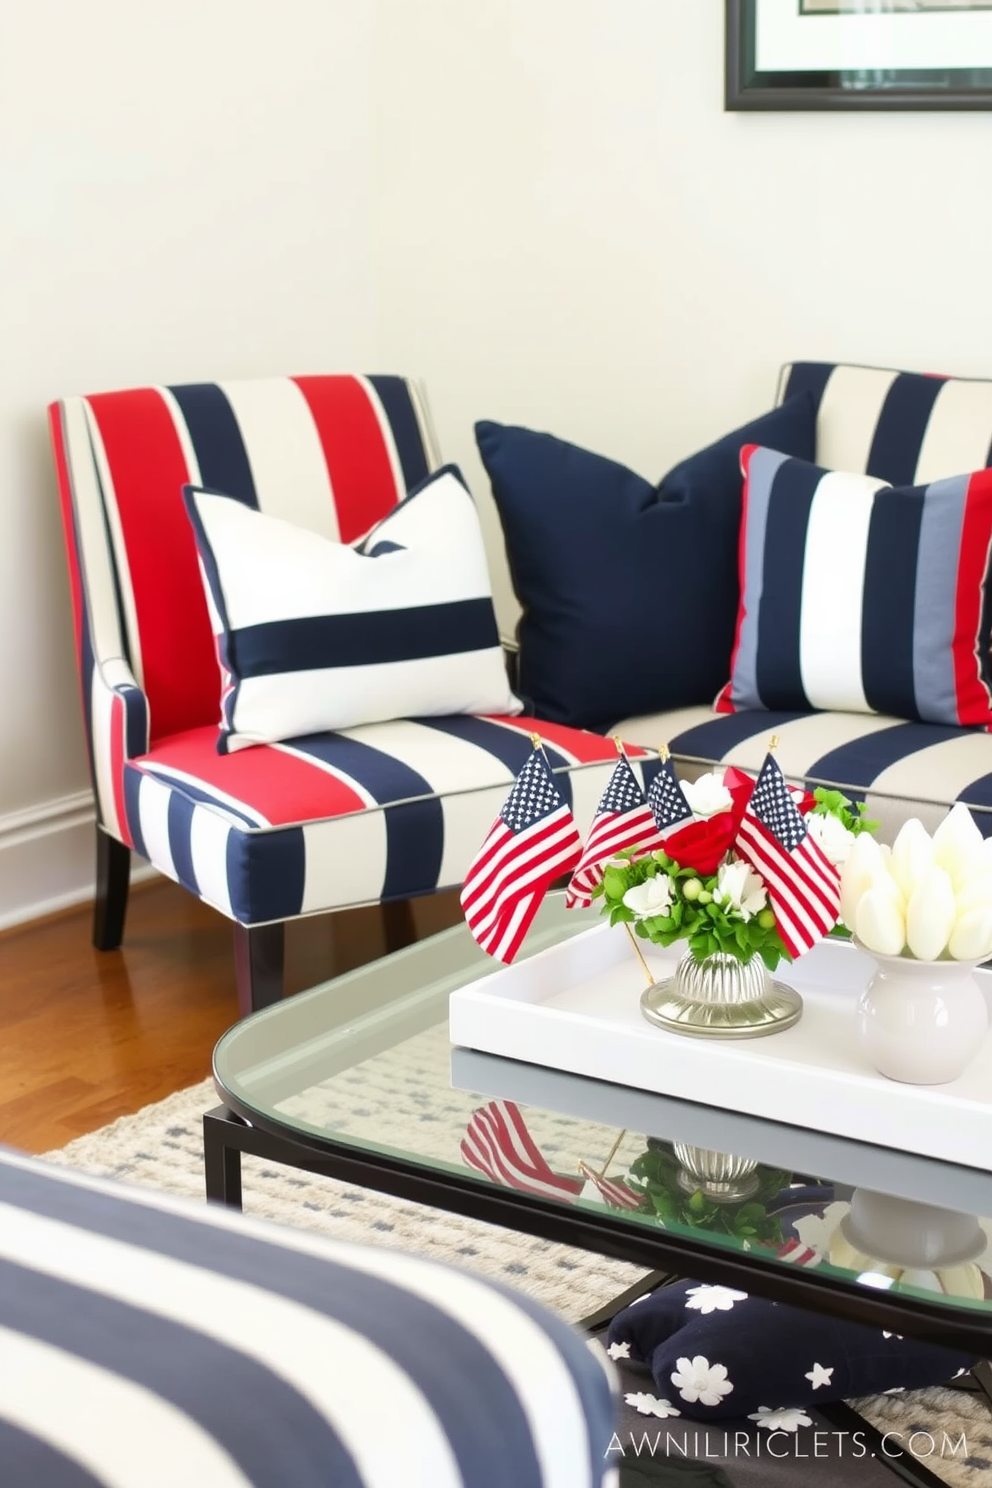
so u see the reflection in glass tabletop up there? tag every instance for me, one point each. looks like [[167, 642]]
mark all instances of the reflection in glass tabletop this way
[[363, 1065]]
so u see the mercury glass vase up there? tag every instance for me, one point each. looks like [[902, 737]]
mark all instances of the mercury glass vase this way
[[922, 1022], [721, 997], [719, 1176]]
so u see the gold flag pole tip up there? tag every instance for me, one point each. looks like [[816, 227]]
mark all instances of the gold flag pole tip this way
[[663, 754], [618, 745], [536, 740], [774, 743]]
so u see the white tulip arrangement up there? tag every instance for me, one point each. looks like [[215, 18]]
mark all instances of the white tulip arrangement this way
[[925, 898]]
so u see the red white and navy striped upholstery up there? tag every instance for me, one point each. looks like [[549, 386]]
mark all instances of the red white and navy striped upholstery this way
[[905, 429], [140, 1329], [387, 811]]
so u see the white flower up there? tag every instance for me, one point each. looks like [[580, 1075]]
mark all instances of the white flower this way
[[619, 1350], [930, 914], [650, 1405], [698, 1379], [708, 795], [739, 887], [652, 897], [831, 837], [912, 855], [818, 1375], [957, 845], [879, 923], [713, 1298], [785, 1419]]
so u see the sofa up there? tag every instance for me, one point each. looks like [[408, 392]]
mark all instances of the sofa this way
[[147, 1340], [680, 547]]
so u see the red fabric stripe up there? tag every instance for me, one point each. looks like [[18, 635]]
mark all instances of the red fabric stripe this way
[[283, 787], [357, 459], [973, 702], [148, 471], [118, 727], [584, 748], [69, 528], [723, 703]]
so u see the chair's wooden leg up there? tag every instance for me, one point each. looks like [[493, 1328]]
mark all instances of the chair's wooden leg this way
[[259, 962], [113, 878], [398, 924]]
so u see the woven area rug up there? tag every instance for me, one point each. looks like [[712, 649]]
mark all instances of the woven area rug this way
[[161, 1147]]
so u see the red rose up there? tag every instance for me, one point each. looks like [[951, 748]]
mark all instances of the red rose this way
[[703, 845]]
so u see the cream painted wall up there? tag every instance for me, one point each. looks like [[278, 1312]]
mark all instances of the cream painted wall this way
[[573, 235], [184, 193], [537, 205]]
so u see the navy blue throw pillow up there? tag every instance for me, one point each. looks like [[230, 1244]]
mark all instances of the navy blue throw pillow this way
[[595, 551], [714, 1353]]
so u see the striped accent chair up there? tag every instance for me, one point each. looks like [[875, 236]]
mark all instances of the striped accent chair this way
[[375, 814], [147, 1340], [906, 429]]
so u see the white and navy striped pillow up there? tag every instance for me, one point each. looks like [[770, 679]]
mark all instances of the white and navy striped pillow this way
[[314, 635], [859, 597]]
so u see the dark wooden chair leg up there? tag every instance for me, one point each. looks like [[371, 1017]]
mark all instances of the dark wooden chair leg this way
[[259, 962], [113, 878], [399, 926]]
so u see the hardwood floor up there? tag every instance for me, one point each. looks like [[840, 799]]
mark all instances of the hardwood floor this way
[[86, 1035]]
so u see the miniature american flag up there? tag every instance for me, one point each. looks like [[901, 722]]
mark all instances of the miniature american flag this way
[[531, 842], [803, 885], [497, 1143], [617, 1195], [668, 804], [623, 820]]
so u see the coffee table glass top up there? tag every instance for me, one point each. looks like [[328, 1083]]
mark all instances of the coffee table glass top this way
[[364, 1063]]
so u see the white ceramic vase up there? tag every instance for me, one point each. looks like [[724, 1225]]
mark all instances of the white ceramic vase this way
[[922, 1022]]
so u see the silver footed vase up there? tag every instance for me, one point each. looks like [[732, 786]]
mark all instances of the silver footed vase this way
[[721, 997]]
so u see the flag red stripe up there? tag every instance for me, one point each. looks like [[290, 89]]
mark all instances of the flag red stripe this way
[[551, 851], [498, 863]]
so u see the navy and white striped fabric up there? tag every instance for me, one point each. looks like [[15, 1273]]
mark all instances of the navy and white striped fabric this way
[[902, 428], [862, 597], [325, 820], [361, 816], [315, 635], [147, 1341]]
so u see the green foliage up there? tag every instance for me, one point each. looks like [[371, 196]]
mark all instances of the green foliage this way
[[655, 1175], [694, 914], [851, 814]]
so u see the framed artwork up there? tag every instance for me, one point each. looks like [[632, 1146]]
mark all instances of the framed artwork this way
[[870, 54]]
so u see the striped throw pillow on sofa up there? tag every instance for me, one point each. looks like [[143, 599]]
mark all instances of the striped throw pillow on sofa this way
[[314, 635], [860, 597]]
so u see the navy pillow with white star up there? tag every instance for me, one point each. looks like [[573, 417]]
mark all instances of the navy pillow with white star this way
[[716, 1353]]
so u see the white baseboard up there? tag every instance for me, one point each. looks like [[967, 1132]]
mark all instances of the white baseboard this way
[[47, 858]]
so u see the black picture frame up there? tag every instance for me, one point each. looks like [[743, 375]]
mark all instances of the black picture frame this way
[[748, 89]]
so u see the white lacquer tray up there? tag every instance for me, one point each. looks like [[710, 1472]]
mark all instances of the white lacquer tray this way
[[576, 1007]]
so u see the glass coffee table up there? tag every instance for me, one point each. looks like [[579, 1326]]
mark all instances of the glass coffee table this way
[[357, 1079]]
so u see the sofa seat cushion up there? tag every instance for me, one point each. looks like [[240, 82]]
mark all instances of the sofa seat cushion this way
[[145, 1331], [385, 811], [899, 769]]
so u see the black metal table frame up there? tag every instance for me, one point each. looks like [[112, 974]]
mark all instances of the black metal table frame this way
[[228, 1132]]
